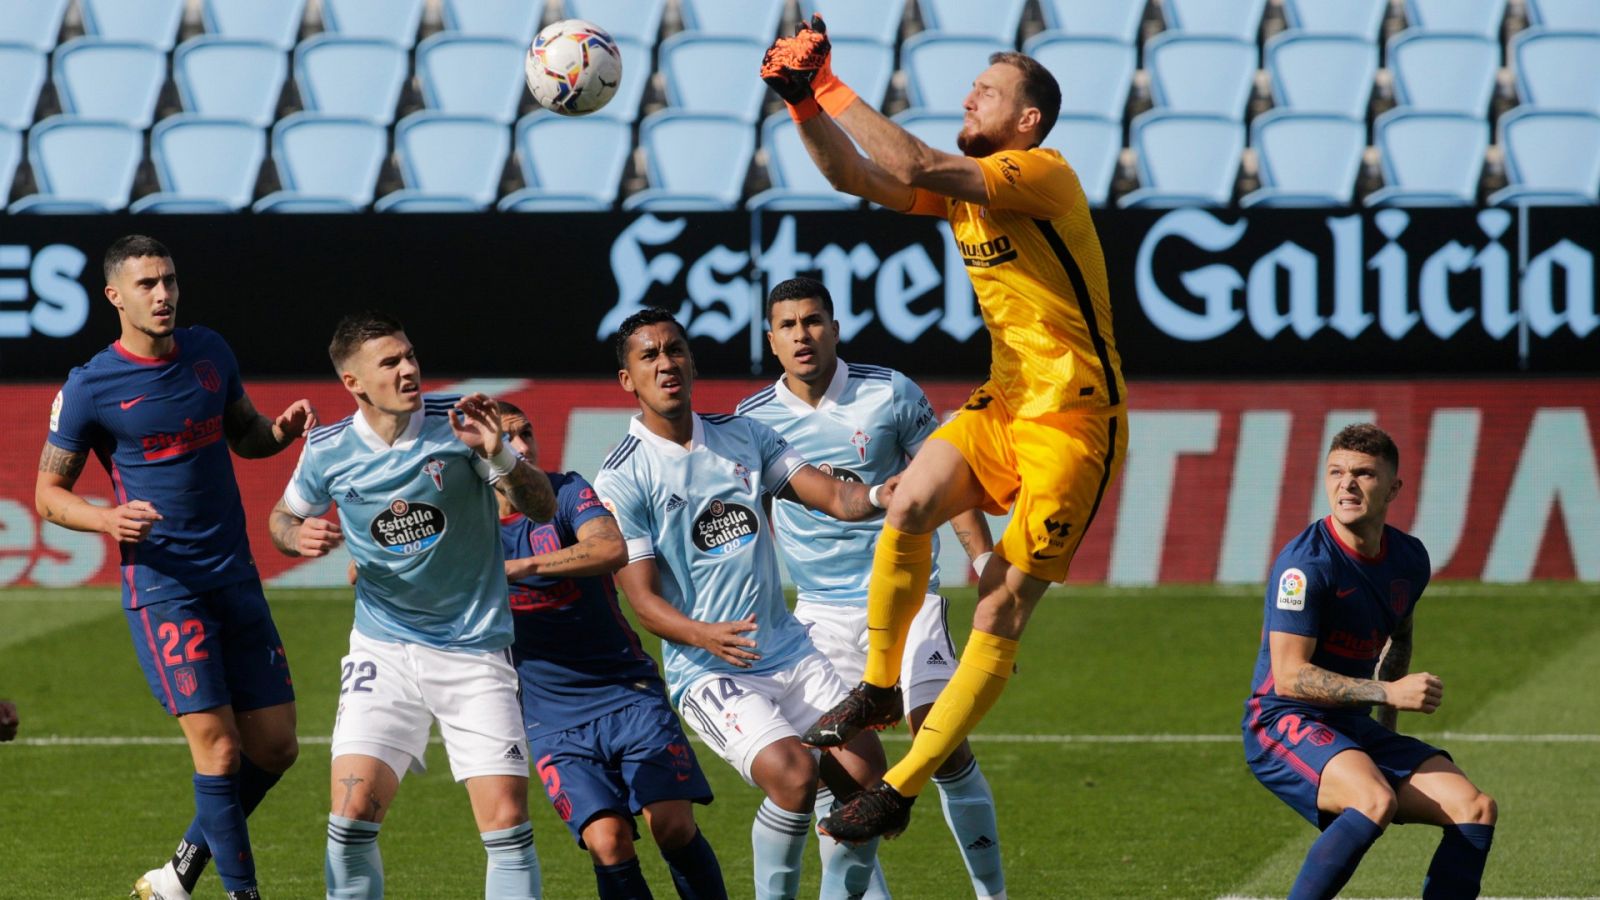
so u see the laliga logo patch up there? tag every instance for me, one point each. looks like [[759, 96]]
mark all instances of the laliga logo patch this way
[[1292, 590], [55, 413], [724, 528], [408, 528]]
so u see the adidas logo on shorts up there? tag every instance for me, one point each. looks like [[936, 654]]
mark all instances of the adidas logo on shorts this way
[[675, 503], [982, 843], [515, 753], [937, 659]]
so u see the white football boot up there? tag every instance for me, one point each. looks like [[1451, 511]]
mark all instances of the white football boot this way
[[160, 884]]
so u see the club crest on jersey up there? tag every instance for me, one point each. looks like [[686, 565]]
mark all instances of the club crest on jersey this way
[[860, 440], [742, 473], [1292, 590], [406, 528], [724, 528], [206, 373], [434, 469]]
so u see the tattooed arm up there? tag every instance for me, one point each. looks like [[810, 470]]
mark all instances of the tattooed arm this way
[[55, 502], [530, 492], [253, 435], [599, 551], [294, 536], [1296, 676], [848, 501], [1394, 665]]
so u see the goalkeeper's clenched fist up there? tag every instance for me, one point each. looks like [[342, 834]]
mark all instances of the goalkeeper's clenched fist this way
[[799, 69]]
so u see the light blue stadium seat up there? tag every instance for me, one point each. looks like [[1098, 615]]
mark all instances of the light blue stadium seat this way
[[1115, 19], [1185, 159], [1238, 19], [995, 20], [940, 69], [874, 20], [755, 20], [230, 77], [394, 21], [1362, 18], [574, 163], [22, 71], [1558, 69], [1091, 145], [277, 22], [109, 80], [1329, 73], [10, 158], [84, 161], [1568, 15], [936, 129], [206, 158], [637, 19], [471, 75], [341, 76], [1443, 71], [636, 72], [1211, 75], [36, 23], [1480, 17], [153, 22], [1306, 158], [453, 156], [45, 205], [865, 65], [1429, 158], [1552, 157], [1094, 73], [702, 74], [697, 161], [515, 20], [407, 200], [797, 183], [295, 203], [175, 205], [330, 156]]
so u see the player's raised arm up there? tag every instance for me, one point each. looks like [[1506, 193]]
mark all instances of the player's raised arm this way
[[295, 536], [254, 436], [640, 580], [848, 501], [476, 422], [1296, 676], [600, 550]]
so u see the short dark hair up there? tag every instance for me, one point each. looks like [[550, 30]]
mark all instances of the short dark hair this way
[[356, 329], [650, 315], [131, 246], [800, 288], [1039, 87], [1365, 437], [507, 408]]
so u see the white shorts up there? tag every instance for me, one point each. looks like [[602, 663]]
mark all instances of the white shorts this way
[[390, 694], [738, 715], [840, 632]]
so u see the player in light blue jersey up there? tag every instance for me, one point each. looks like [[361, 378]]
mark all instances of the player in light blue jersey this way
[[687, 491], [414, 478], [864, 423]]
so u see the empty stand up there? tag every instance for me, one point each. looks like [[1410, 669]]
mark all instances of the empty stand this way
[[1448, 72], [1572, 15], [1306, 158], [1429, 158], [873, 20], [755, 20], [230, 77], [10, 158], [291, 202], [995, 20], [153, 22], [936, 129], [1551, 157], [22, 71], [277, 22], [342, 76], [796, 181], [514, 20], [110, 80], [329, 156], [940, 69], [1094, 73], [714, 74], [1211, 75], [571, 163], [1185, 159], [84, 163], [1362, 18], [472, 75], [1091, 144], [636, 72], [1558, 69], [1115, 19], [638, 19], [865, 65], [696, 161], [36, 23], [452, 156], [212, 159], [1479, 17], [1322, 72], [1238, 19], [395, 21]]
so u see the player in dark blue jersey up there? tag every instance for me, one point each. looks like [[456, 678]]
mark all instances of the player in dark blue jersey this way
[[604, 740], [160, 408], [1335, 643]]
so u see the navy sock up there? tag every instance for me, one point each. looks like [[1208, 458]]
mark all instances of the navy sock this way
[[190, 859], [216, 803], [1457, 867], [1334, 856], [623, 881], [695, 871]]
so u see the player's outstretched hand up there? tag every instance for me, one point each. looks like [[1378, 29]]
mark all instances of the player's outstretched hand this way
[[791, 63], [318, 537], [130, 523], [1417, 692], [476, 423], [728, 641], [298, 419], [8, 720]]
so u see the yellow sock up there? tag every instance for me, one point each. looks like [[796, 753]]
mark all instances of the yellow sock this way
[[985, 668], [900, 569]]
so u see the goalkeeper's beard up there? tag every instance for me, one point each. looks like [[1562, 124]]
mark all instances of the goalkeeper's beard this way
[[976, 144]]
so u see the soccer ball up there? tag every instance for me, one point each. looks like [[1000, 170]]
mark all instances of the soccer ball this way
[[573, 67]]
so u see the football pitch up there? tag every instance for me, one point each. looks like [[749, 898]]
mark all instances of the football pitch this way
[[1114, 756]]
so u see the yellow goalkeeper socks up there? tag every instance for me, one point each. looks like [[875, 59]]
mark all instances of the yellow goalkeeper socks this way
[[900, 570], [986, 666]]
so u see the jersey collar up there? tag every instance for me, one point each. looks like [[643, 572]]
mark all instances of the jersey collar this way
[[670, 448], [830, 397], [1353, 553], [376, 444], [131, 356]]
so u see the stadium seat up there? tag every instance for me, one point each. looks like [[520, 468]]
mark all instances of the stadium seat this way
[[1306, 158], [1552, 158], [83, 161], [755, 20], [1429, 158], [637, 19], [414, 201], [1185, 159], [514, 20], [1444, 72], [109, 80], [873, 20], [351, 76], [636, 72], [1362, 18], [1558, 69], [188, 206], [995, 20], [865, 65], [22, 71], [1479, 17], [1238, 19], [1568, 15], [276, 22], [452, 156], [153, 22], [295, 203], [1091, 145], [576, 163], [394, 21], [45, 205], [329, 156], [697, 161], [1329, 73], [230, 77], [470, 75], [10, 158], [36, 23], [1095, 73], [936, 129], [940, 70], [1211, 75], [797, 183], [1115, 19], [208, 158], [702, 74]]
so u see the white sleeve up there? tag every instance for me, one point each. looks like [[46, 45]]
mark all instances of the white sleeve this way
[[621, 496], [306, 495]]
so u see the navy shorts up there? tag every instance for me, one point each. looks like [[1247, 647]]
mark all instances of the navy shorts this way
[[1287, 754], [620, 762], [217, 648]]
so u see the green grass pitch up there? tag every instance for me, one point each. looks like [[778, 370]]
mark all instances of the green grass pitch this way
[[1114, 756]]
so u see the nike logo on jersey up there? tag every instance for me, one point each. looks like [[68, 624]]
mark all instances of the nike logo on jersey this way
[[1344, 592], [128, 404]]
